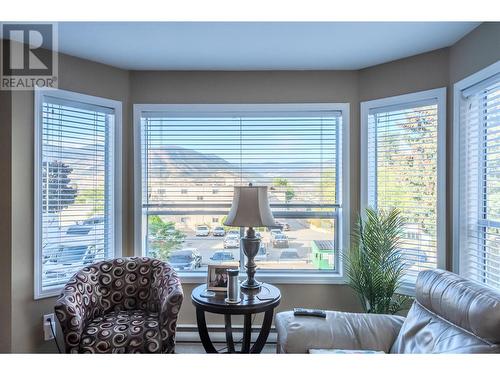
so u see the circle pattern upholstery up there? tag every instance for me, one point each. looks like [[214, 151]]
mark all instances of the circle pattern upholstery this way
[[124, 305]]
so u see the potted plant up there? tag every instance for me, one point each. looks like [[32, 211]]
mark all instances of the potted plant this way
[[375, 265]]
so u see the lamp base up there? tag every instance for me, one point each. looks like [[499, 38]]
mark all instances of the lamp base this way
[[251, 284], [251, 245]]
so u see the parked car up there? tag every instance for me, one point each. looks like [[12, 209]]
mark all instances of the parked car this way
[[231, 241], [219, 231], [64, 260], [262, 254], [284, 226], [222, 256], [202, 231], [235, 232], [280, 240], [275, 232], [94, 221], [289, 254], [187, 259], [79, 237]]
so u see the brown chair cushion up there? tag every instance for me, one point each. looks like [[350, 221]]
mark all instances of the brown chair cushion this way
[[132, 331]]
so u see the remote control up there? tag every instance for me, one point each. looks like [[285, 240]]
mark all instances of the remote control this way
[[308, 312]]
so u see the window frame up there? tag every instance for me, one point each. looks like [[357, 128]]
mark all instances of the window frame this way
[[39, 95], [438, 94], [458, 88], [282, 277]]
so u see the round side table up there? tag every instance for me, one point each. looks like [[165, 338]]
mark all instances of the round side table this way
[[262, 300]]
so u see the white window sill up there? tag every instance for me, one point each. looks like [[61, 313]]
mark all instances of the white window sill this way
[[274, 277]]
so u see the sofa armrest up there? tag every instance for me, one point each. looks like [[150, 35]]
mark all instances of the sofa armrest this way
[[339, 330]]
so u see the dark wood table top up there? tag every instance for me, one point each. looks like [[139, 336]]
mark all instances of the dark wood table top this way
[[252, 301]]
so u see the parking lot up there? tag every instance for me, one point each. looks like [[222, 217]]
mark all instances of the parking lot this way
[[299, 236]]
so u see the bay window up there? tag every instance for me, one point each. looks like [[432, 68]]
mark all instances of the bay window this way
[[189, 158], [403, 154], [477, 177], [77, 185]]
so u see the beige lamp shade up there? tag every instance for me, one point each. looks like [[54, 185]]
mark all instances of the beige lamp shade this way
[[250, 208]]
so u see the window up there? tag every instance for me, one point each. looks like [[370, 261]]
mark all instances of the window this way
[[403, 167], [77, 182], [295, 150], [477, 179]]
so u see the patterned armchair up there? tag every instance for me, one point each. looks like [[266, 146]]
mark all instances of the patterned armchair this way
[[125, 305]]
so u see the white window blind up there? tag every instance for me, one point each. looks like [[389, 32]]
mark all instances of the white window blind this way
[[190, 165], [479, 181], [402, 169], [75, 188]]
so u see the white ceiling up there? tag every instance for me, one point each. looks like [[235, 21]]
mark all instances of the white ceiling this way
[[254, 46]]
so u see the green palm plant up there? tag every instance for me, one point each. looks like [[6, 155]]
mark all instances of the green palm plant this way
[[375, 266]]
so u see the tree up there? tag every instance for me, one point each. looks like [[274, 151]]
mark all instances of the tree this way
[[283, 184], [289, 195], [328, 186], [93, 197], [163, 237], [57, 193], [412, 172]]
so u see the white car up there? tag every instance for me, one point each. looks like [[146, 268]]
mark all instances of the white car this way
[[275, 232], [218, 232], [231, 241], [202, 231]]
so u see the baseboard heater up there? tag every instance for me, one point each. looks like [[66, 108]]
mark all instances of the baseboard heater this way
[[188, 333]]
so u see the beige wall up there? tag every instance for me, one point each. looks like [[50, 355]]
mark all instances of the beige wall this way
[[430, 70], [5, 220], [417, 73], [476, 50]]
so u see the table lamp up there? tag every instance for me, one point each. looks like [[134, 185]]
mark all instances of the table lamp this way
[[250, 209]]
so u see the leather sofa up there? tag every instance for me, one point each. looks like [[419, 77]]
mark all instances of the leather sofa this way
[[449, 315], [125, 305]]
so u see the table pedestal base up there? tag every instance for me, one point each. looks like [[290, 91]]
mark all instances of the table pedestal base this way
[[247, 333]]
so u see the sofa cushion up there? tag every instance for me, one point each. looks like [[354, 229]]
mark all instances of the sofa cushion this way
[[130, 331], [465, 303], [424, 332], [339, 330], [450, 315]]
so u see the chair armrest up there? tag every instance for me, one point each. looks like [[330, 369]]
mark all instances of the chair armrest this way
[[339, 330], [170, 295], [75, 306]]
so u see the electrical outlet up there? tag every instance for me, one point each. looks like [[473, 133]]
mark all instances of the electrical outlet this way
[[48, 319]]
